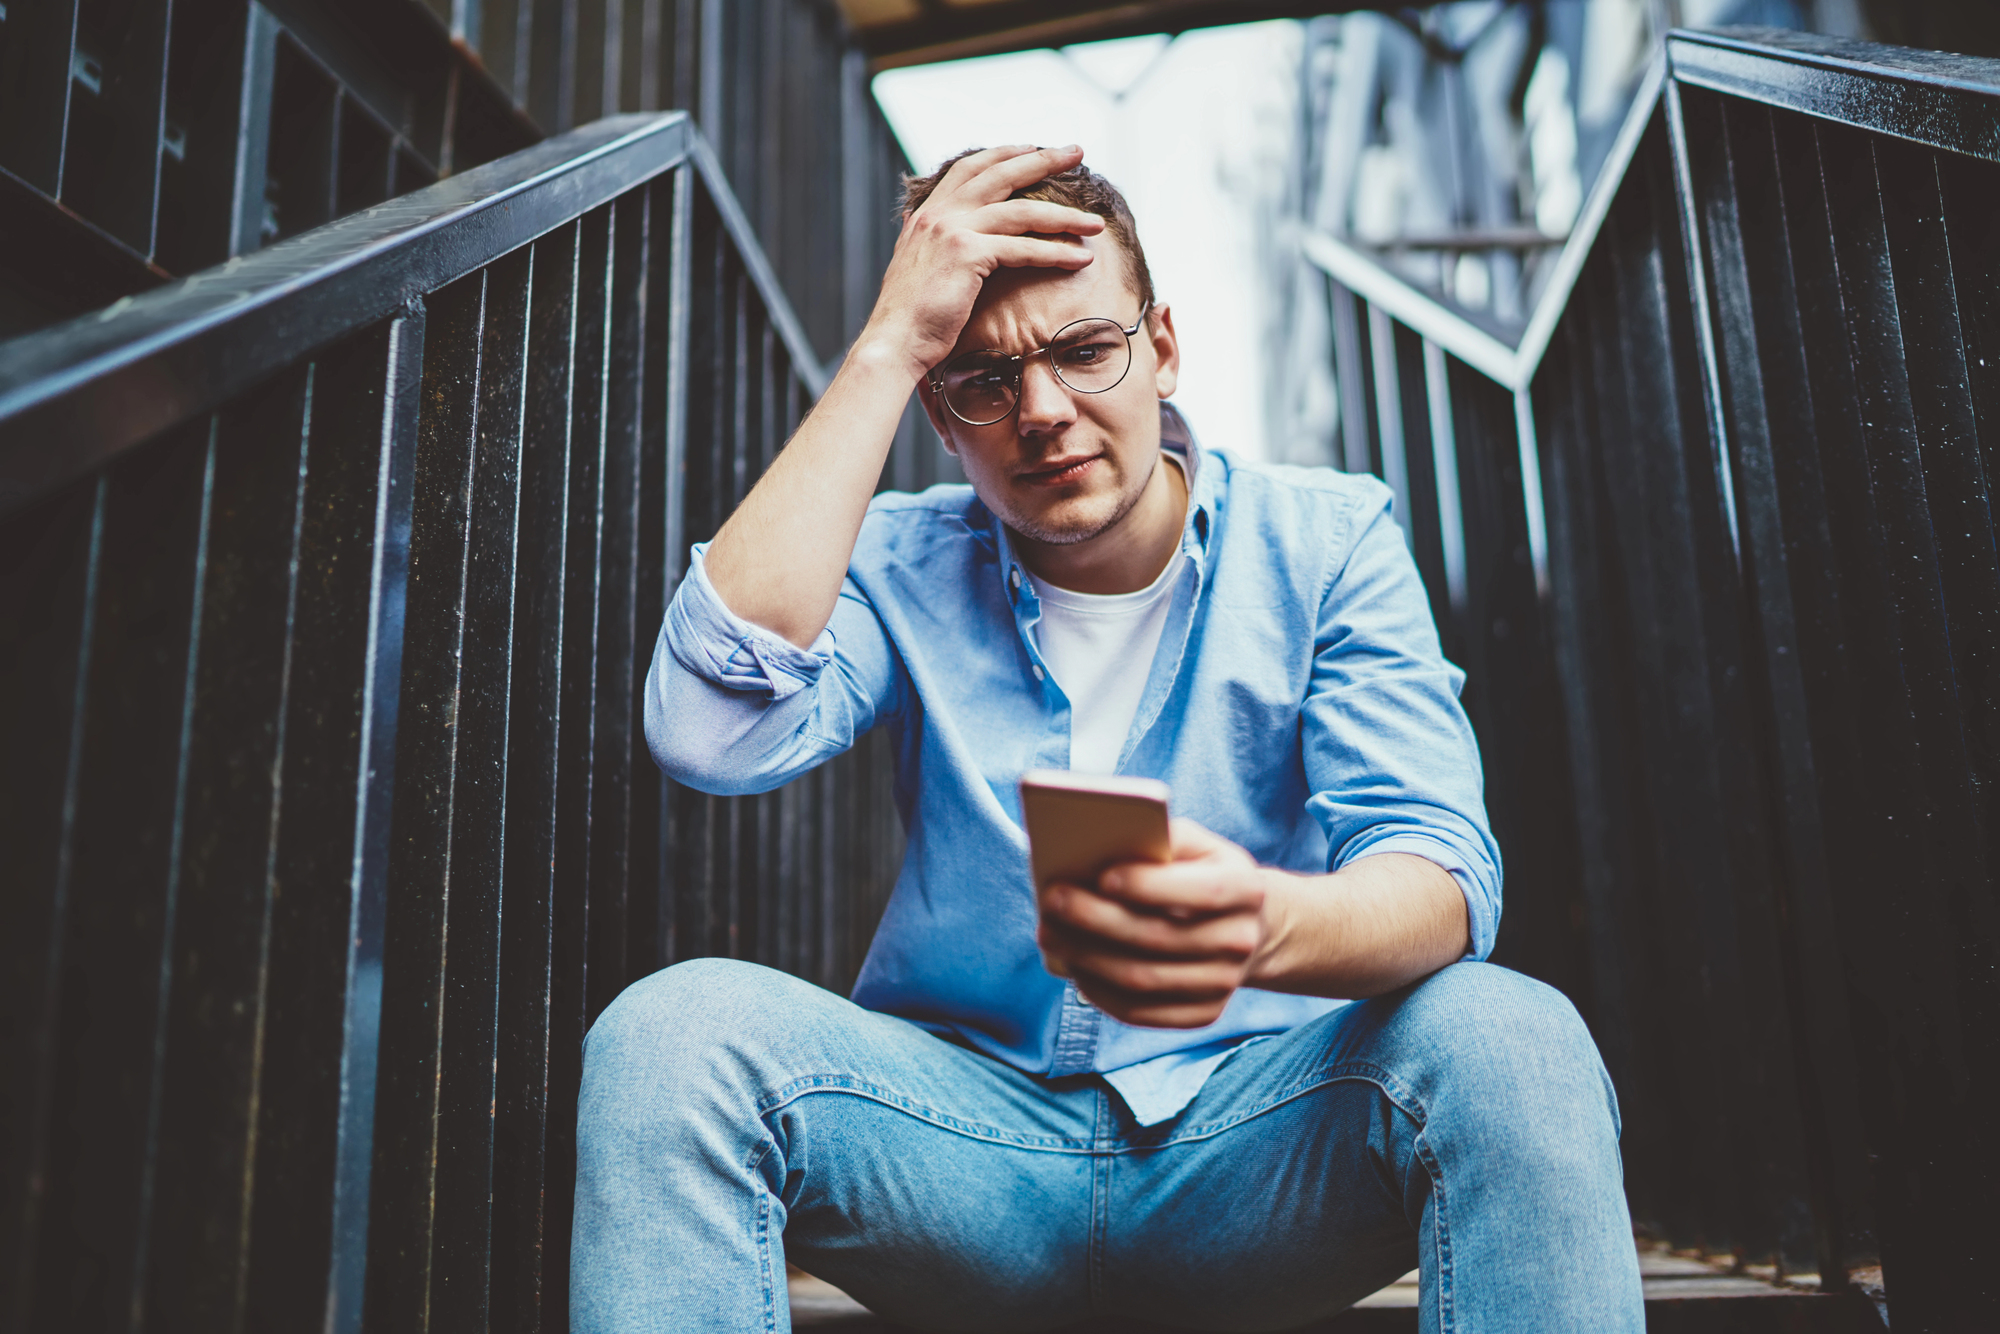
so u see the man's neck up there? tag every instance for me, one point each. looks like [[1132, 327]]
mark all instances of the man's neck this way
[[1128, 555]]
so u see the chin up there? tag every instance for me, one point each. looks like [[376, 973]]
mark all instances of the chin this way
[[1068, 522]]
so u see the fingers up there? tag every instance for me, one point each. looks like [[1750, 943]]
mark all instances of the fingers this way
[[1084, 921], [1016, 216], [1149, 1010], [1185, 889], [1002, 176], [1026, 252]]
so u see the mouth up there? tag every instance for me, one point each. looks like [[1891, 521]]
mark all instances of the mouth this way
[[1060, 472]]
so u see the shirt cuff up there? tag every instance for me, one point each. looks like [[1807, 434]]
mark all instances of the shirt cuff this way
[[1482, 921], [715, 643]]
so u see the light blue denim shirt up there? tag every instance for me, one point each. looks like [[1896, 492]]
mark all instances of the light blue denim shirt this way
[[1298, 704]]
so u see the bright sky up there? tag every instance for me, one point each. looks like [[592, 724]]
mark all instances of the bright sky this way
[[1198, 133]]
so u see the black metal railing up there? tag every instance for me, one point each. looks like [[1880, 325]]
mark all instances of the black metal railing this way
[[145, 140], [1714, 536], [328, 581]]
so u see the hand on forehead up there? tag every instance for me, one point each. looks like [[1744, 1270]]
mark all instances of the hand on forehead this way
[[1019, 310]]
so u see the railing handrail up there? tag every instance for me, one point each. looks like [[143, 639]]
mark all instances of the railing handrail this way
[[1921, 96], [76, 395]]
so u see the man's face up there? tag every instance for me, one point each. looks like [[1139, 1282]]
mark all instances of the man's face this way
[[1065, 466]]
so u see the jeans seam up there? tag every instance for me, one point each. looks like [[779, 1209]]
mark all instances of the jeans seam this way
[[1361, 1071], [764, 1242], [1441, 1227], [799, 1088]]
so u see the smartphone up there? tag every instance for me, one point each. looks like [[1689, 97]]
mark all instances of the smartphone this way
[[1079, 824]]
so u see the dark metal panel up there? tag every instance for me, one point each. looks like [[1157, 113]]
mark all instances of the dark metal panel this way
[[91, 1230], [36, 84], [1510, 691], [365, 159], [1924, 467], [306, 143], [1589, 641], [413, 993], [74, 396], [576, 770], [1766, 387], [221, 77], [216, 971], [533, 790], [622, 637], [600, 30], [111, 155], [551, 88], [1777, 1182], [48, 613], [316, 1092], [461, 1257]]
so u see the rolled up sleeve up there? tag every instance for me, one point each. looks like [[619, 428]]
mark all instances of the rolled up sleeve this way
[[1390, 757], [734, 708]]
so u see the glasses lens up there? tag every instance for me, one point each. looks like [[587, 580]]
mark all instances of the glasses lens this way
[[1091, 356], [979, 387]]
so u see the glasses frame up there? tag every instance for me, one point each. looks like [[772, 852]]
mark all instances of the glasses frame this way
[[1018, 366]]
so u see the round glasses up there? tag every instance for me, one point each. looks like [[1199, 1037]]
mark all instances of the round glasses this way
[[1088, 356]]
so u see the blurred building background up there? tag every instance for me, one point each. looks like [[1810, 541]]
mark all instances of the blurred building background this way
[[1458, 141]]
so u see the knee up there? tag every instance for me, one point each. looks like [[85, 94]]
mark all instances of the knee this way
[[1509, 1049], [680, 1020]]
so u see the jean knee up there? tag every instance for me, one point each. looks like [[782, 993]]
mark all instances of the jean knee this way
[[690, 1009], [1516, 1040]]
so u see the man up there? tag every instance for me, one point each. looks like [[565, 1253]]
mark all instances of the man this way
[[1146, 1097]]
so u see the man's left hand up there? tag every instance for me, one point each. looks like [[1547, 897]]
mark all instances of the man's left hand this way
[[1164, 945]]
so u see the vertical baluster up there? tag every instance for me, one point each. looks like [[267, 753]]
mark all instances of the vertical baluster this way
[[462, 1244], [624, 641], [402, 1204], [49, 558], [129, 785], [1890, 287], [520, 1121], [215, 971], [325, 951], [1788, 1178], [570, 910]]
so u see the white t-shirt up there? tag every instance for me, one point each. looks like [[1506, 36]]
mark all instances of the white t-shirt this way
[[1100, 647]]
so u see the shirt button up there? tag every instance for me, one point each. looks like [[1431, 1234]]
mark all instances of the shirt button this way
[[1039, 673]]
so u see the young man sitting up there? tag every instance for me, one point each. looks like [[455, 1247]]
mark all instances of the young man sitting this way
[[1155, 1097]]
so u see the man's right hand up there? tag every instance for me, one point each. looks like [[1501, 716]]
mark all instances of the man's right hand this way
[[968, 228], [780, 559]]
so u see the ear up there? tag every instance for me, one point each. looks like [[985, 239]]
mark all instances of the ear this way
[[935, 411], [1166, 350]]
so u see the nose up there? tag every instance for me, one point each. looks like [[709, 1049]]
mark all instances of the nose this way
[[1046, 404]]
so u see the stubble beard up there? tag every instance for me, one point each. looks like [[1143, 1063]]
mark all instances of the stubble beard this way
[[1037, 529]]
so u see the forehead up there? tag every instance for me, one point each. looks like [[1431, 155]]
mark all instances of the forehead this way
[[1026, 306]]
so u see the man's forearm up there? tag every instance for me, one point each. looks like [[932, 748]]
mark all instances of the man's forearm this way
[[779, 560], [1374, 925]]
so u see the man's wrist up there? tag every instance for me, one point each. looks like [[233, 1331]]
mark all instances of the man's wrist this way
[[882, 353], [1280, 919]]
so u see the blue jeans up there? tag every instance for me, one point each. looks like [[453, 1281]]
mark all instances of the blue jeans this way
[[733, 1118]]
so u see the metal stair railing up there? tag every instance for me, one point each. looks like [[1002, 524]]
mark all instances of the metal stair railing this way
[[328, 581], [1714, 536]]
